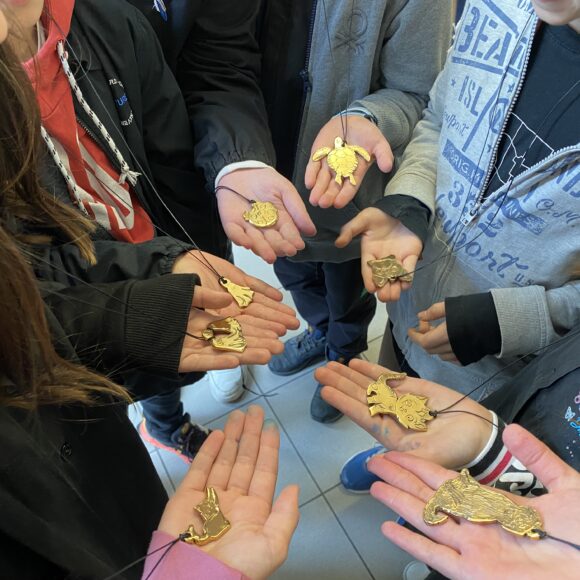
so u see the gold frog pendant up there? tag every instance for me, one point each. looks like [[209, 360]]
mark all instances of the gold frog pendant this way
[[389, 270], [464, 497], [342, 159], [410, 410], [215, 524], [225, 335], [263, 214]]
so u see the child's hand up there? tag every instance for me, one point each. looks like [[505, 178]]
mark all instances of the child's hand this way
[[264, 184], [326, 192], [382, 236], [434, 339]]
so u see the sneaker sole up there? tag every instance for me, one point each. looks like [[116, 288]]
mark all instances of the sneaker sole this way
[[152, 441], [297, 369]]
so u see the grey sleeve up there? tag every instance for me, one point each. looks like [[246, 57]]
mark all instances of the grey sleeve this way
[[415, 46], [533, 317]]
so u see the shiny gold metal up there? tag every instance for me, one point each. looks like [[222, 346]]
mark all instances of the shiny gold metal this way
[[215, 524], [410, 410], [342, 159], [389, 270], [263, 214], [225, 335], [464, 497], [243, 295]]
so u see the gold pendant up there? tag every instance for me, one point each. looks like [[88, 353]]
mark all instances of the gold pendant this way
[[410, 410], [243, 295], [262, 215], [342, 159], [464, 497], [215, 524], [389, 270], [234, 340]]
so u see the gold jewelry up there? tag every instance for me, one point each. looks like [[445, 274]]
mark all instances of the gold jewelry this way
[[389, 270], [215, 524], [466, 498], [410, 410], [233, 341], [342, 159], [263, 214], [243, 295]]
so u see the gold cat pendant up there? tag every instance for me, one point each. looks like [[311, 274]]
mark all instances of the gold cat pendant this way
[[410, 410], [215, 524]]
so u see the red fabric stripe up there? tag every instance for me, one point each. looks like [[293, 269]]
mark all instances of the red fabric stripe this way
[[498, 470]]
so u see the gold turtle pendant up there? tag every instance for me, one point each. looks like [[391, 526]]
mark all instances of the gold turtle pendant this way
[[410, 410], [263, 214], [389, 270], [243, 295], [464, 497], [342, 159], [215, 524], [225, 334]]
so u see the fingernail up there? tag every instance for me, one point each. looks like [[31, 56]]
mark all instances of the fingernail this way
[[269, 424]]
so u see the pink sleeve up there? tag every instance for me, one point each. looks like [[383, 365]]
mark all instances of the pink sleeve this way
[[184, 562]]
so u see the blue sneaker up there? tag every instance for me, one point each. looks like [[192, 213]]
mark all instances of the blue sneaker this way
[[300, 352], [354, 475]]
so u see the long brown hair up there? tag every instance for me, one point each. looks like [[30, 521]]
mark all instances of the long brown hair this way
[[32, 373]]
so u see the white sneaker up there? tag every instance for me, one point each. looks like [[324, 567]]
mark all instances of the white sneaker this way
[[416, 570], [227, 386]]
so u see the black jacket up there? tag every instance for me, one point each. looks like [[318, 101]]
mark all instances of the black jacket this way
[[120, 69], [212, 48]]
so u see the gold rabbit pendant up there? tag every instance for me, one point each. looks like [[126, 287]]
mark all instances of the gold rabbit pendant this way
[[225, 335], [215, 524]]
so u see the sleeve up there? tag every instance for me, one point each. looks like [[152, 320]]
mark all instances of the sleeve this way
[[413, 214], [532, 317], [472, 326], [218, 72], [415, 46], [181, 561], [497, 467], [117, 327], [116, 261]]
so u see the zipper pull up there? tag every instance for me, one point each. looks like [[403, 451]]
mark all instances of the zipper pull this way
[[305, 76]]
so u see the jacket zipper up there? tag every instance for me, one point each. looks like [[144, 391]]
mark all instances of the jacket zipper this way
[[478, 201], [110, 157]]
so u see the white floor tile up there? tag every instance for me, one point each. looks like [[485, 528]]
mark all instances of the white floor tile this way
[[320, 550], [268, 381], [135, 413], [255, 266], [361, 517], [324, 448], [292, 470], [162, 472], [378, 323], [372, 354]]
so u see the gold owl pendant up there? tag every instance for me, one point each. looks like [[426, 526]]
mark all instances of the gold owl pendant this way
[[342, 159], [215, 524], [263, 214], [410, 410], [464, 497], [225, 335]]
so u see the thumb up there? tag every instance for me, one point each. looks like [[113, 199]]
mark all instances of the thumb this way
[[537, 458], [384, 156], [358, 225], [210, 299], [435, 312], [283, 519]]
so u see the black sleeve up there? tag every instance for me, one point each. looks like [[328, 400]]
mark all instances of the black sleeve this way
[[118, 327], [472, 326], [218, 71], [116, 261], [413, 214]]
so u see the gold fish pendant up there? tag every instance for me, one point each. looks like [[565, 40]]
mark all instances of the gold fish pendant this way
[[410, 410], [389, 270], [243, 295], [215, 524], [342, 159], [263, 214], [464, 497], [225, 335]]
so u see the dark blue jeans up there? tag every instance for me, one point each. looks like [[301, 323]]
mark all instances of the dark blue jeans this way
[[332, 298]]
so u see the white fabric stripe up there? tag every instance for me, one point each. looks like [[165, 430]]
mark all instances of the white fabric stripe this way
[[501, 455], [489, 443]]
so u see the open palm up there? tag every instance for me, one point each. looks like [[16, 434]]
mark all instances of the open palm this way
[[241, 464], [451, 440]]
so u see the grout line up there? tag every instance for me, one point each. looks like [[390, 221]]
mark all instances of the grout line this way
[[318, 496], [319, 489]]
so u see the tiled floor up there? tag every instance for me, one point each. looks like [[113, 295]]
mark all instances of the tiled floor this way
[[338, 536]]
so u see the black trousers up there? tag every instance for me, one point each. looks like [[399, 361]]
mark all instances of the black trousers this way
[[332, 298]]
